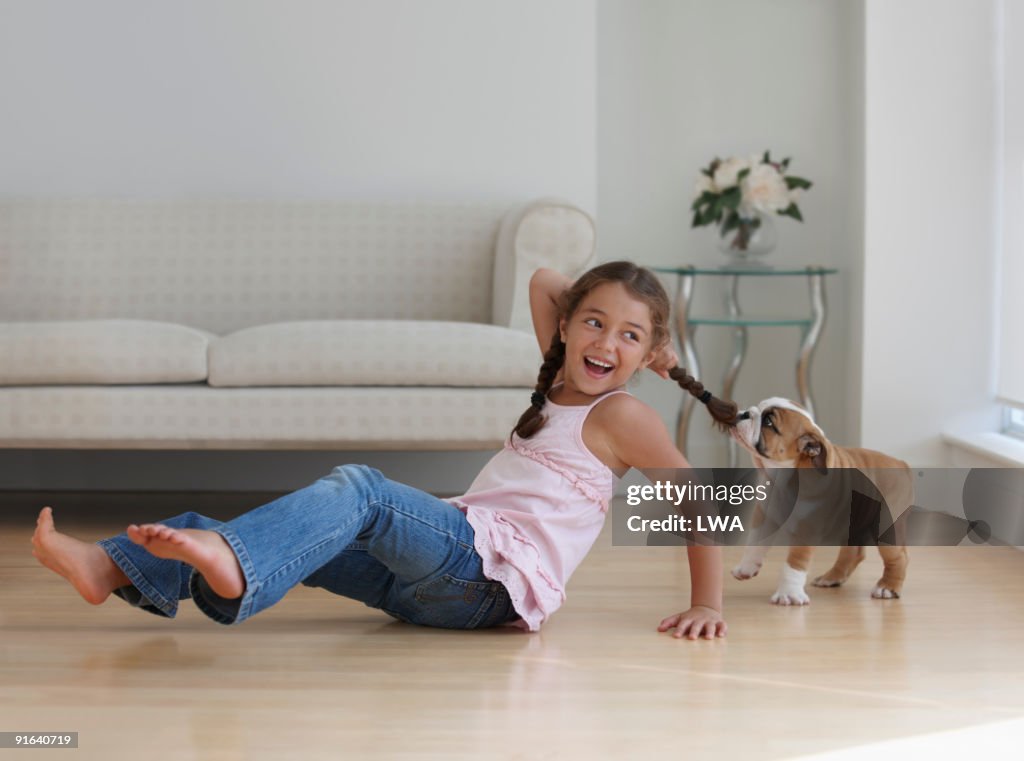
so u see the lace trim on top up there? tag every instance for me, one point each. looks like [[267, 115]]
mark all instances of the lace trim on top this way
[[585, 488], [498, 566], [536, 554]]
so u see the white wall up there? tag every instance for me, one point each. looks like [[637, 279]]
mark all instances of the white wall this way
[[930, 220], [683, 81], [447, 99], [1011, 225]]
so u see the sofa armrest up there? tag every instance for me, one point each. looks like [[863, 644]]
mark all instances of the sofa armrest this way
[[543, 233]]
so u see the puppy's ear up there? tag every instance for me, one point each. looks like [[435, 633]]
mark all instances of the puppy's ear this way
[[811, 447]]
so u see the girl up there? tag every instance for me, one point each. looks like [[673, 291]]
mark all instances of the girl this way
[[501, 553]]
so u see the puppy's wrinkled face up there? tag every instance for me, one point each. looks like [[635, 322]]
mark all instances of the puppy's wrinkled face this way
[[782, 435]]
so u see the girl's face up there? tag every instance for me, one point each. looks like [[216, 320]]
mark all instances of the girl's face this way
[[607, 339]]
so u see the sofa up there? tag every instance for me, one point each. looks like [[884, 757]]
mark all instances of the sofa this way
[[185, 325]]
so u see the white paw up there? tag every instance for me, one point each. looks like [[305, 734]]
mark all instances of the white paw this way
[[790, 597], [882, 593], [747, 569], [791, 588]]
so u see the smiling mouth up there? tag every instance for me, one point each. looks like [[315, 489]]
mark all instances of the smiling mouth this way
[[597, 367]]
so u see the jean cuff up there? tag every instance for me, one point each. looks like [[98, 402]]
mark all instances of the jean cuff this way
[[220, 609], [148, 597]]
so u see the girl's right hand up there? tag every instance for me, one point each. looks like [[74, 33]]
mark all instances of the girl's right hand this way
[[698, 621]]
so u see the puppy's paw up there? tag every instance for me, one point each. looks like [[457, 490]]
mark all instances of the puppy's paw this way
[[791, 587], [747, 569], [884, 593], [784, 596], [829, 579]]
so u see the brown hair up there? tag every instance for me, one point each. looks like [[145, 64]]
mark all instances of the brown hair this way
[[643, 285], [722, 411]]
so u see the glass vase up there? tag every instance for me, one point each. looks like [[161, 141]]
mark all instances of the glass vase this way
[[755, 237]]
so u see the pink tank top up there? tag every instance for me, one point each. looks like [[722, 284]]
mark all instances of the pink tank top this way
[[537, 508]]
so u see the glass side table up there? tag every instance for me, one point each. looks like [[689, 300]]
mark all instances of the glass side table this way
[[686, 326]]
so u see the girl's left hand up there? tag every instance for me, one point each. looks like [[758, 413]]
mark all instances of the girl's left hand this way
[[664, 360], [698, 621]]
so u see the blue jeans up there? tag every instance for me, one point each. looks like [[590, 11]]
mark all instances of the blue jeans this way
[[353, 533]]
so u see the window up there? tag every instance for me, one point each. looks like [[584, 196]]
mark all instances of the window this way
[[1010, 126], [1014, 425]]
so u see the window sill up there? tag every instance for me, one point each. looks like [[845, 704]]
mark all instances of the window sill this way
[[1003, 450]]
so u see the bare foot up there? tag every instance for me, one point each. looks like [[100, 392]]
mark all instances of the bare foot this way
[[206, 551], [89, 569]]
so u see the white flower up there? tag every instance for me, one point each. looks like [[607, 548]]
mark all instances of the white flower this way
[[764, 190], [725, 174], [704, 185]]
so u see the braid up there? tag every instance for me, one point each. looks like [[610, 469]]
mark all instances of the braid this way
[[723, 412], [533, 419]]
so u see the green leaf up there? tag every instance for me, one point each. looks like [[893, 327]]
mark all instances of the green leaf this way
[[792, 211], [785, 164], [732, 197], [742, 175], [716, 207], [707, 173], [706, 197], [732, 221], [696, 220], [767, 159], [798, 182]]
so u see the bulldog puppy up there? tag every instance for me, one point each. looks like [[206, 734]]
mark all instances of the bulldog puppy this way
[[779, 433]]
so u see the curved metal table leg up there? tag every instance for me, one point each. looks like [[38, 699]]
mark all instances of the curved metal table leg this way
[[816, 283], [739, 344], [687, 335]]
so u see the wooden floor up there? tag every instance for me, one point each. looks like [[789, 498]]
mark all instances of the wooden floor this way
[[322, 677]]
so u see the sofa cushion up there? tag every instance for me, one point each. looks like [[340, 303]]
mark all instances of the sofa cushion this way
[[195, 416], [375, 353], [225, 265], [101, 352]]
